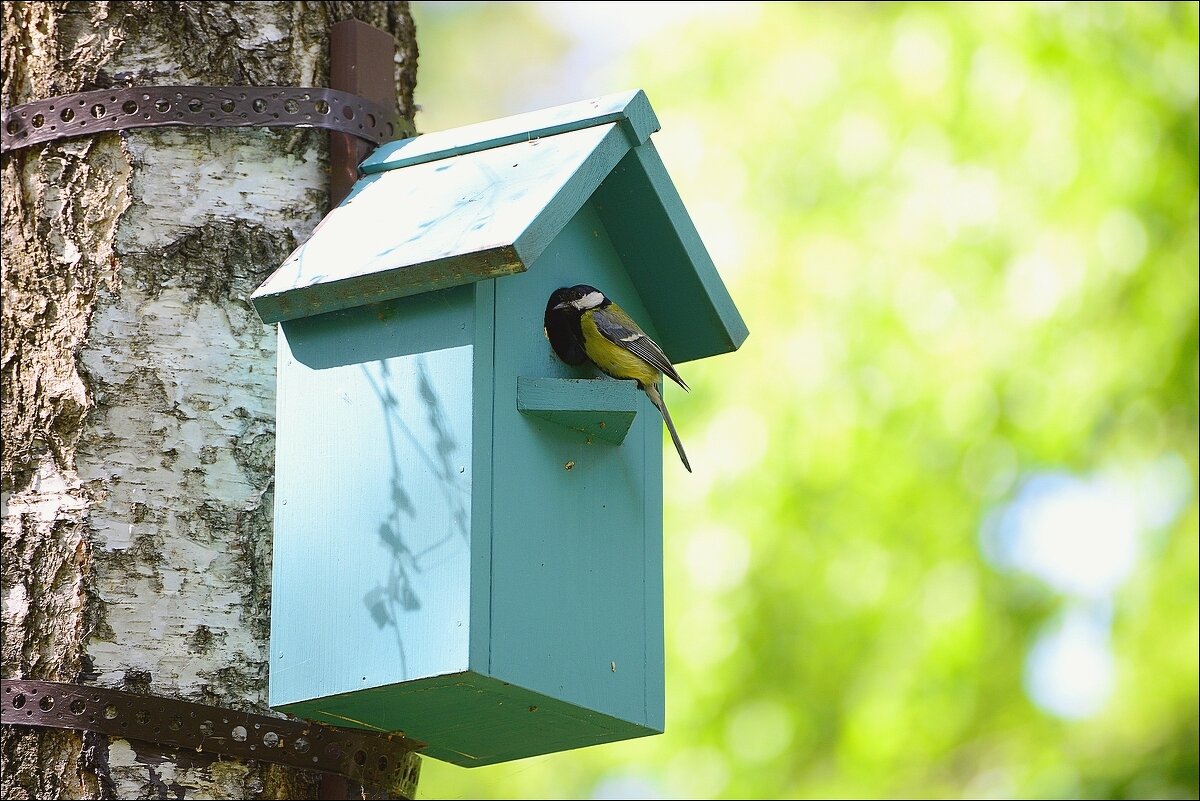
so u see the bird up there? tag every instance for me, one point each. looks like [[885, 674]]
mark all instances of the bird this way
[[584, 325]]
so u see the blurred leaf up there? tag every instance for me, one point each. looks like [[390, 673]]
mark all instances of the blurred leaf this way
[[964, 237]]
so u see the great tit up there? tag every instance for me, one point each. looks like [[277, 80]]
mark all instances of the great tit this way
[[582, 325]]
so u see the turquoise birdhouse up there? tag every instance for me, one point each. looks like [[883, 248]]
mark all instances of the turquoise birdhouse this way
[[468, 531]]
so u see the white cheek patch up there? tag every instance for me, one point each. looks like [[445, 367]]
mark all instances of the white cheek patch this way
[[589, 301]]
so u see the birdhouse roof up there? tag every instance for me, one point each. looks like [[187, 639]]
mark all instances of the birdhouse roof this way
[[485, 200]]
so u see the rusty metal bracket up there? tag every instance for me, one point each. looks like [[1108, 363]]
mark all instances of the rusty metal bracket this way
[[200, 106], [363, 756]]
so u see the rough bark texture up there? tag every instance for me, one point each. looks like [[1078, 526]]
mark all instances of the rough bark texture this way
[[138, 383]]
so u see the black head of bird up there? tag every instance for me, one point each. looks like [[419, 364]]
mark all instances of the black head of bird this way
[[583, 325], [562, 324]]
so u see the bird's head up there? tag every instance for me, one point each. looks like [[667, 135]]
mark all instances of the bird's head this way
[[578, 298], [563, 311]]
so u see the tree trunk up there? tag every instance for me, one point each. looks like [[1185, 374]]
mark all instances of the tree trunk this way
[[138, 410]]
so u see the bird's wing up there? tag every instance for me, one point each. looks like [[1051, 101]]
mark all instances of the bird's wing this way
[[620, 329]]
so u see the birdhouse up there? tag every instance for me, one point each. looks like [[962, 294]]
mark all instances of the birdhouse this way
[[468, 532]]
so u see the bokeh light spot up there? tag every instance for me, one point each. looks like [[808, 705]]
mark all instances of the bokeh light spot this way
[[1070, 671]]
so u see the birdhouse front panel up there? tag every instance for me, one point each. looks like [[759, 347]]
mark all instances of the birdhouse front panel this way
[[468, 531], [577, 573]]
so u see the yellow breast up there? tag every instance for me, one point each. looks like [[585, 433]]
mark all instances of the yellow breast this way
[[613, 359]]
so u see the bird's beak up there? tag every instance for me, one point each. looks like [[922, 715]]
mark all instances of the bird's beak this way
[[562, 305]]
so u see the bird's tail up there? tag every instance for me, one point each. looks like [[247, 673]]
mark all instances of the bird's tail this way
[[656, 398]]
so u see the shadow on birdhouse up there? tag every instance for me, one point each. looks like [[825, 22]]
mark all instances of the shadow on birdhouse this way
[[468, 532]]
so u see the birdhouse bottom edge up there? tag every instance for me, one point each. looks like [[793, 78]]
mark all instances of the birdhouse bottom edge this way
[[469, 719]]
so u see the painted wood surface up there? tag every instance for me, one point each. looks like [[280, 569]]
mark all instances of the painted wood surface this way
[[440, 224], [576, 596], [670, 266], [600, 407], [630, 111], [483, 389], [508, 609], [473, 720], [373, 505]]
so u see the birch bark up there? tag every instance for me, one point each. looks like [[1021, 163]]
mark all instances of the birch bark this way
[[138, 383]]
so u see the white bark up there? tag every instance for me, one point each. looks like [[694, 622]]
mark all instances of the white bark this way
[[179, 446]]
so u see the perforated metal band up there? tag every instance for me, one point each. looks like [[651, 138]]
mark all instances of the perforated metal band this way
[[203, 106], [365, 757]]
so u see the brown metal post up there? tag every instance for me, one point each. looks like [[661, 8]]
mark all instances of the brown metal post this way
[[361, 61]]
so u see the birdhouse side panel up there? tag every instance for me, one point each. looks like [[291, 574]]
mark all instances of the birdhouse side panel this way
[[577, 545], [374, 469]]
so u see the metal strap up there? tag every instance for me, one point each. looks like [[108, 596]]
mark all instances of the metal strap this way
[[365, 757], [203, 106]]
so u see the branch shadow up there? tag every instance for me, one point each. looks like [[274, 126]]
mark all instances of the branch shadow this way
[[395, 595]]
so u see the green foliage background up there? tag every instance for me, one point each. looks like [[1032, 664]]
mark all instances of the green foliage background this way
[[964, 238]]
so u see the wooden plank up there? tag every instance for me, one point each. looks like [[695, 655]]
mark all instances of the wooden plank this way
[[666, 257], [599, 407], [631, 112], [576, 190], [373, 480], [472, 720], [655, 689], [482, 531], [440, 224], [570, 613], [369, 333]]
